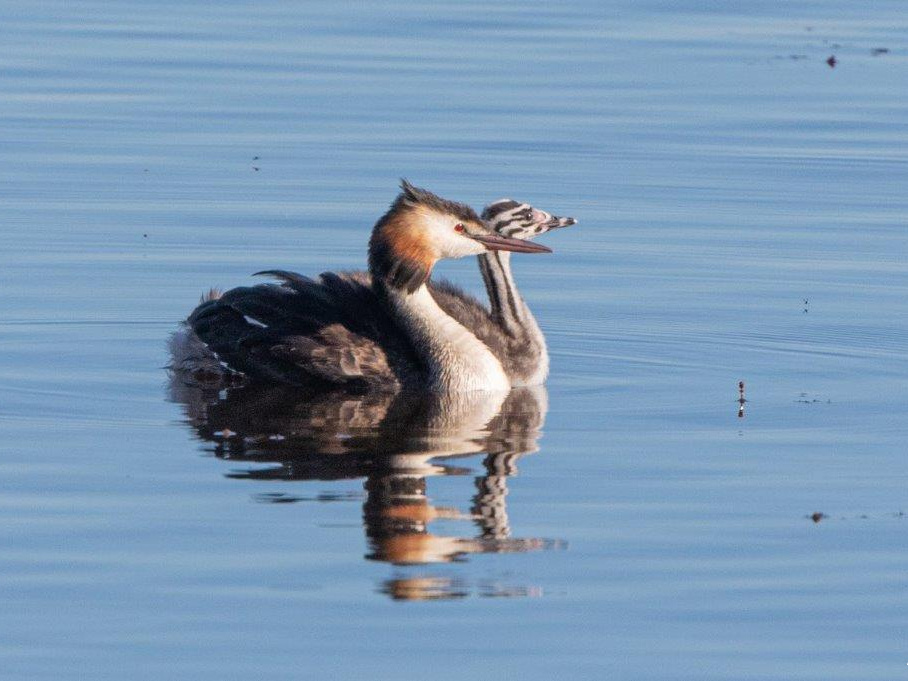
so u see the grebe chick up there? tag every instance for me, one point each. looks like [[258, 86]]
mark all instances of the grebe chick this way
[[386, 331]]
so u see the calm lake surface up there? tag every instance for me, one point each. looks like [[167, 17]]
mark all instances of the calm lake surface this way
[[743, 216]]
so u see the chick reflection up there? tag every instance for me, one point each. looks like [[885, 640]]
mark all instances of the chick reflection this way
[[396, 442]]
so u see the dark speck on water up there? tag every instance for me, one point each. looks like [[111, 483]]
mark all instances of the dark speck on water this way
[[283, 498], [591, 530]]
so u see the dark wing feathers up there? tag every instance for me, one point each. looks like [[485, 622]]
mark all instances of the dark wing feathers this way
[[332, 329], [289, 278], [337, 355]]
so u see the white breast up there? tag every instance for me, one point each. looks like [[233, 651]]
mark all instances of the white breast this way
[[458, 361]]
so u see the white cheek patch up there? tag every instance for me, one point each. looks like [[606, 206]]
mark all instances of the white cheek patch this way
[[447, 240]]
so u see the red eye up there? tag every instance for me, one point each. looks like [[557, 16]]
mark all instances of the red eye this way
[[459, 227]]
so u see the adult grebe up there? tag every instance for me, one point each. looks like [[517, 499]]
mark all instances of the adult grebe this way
[[345, 329]]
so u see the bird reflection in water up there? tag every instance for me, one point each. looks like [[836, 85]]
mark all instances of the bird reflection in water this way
[[396, 441], [433, 588]]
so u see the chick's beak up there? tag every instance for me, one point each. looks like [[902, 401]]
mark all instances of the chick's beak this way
[[557, 222], [496, 242]]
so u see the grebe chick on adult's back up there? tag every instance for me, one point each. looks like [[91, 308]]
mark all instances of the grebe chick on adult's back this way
[[383, 331], [516, 340]]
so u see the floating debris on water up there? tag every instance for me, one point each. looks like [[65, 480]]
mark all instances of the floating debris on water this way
[[818, 516], [804, 398]]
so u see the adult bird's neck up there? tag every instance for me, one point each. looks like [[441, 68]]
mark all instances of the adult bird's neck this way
[[454, 358]]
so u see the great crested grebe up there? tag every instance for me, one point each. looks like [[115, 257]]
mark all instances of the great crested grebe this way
[[385, 330]]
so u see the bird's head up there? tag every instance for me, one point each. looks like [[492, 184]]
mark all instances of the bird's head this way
[[421, 228], [520, 220]]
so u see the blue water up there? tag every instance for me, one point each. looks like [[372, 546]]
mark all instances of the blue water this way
[[742, 217]]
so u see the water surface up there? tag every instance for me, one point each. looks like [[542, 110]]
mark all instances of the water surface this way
[[742, 217]]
